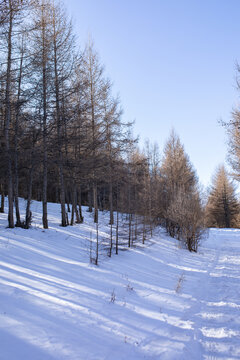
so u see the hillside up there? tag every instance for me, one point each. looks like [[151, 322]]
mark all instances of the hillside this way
[[156, 301]]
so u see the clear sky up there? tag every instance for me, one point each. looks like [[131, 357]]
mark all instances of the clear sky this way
[[173, 63]]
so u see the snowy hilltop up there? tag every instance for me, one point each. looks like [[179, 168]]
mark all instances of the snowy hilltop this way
[[155, 301]]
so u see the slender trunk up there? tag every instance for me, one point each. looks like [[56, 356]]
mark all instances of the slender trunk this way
[[29, 199], [59, 129], [132, 232], [129, 216], [45, 155], [80, 205], [117, 233], [2, 199], [72, 213], [16, 182], [67, 221], [111, 241], [136, 227], [62, 195], [111, 222], [117, 222], [129, 229], [44, 194], [74, 205], [97, 245], [150, 205], [90, 204], [95, 203], [143, 233], [8, 120]]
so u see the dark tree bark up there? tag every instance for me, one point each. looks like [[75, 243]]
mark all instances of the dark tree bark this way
[[59, 126], [2, 199], [44, 95], [16, 135], [8, 119]]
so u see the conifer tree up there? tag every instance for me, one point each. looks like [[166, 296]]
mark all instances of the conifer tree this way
[[182, 208], [222, 207]]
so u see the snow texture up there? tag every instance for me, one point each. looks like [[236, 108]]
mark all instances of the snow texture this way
[[156, 301]]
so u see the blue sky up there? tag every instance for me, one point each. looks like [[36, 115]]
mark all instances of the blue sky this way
[[173, 64]]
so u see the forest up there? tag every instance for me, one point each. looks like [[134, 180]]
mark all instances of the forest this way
[[64, 139]]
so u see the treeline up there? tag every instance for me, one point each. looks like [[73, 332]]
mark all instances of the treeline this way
[[63, 137]]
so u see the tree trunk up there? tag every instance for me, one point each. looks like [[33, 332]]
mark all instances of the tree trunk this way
[[129, 229], [144, 229], [29, 199], [111, 241], [97, 245], [136, 226], [62, 195], [117, 222], [16, 182], [74, 205], [45, 155], [80, 205], [2, 199], [90, 202], [117, 234], [95, 202], [111, 222], [8, 120], [59, 127]]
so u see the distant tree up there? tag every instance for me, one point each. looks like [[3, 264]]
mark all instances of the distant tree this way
[[222, 208], [176, 167], [186, 217], [182, 209]]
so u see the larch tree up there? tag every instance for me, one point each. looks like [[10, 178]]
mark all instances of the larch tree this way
[[182, 207], [222, 208], [11, 12], [43, 76], [63, 57], [112, 134], [96, 84]]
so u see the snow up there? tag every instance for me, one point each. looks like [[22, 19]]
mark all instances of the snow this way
[[156, 301]]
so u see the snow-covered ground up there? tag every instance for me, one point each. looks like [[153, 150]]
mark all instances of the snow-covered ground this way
[[156, 302]]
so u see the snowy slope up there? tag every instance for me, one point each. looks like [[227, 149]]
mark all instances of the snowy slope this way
[[152, 302]]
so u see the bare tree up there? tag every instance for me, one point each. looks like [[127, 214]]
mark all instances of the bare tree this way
[[95, 90], [43, 70], [182, 205], [11, 10], [63, 65]]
